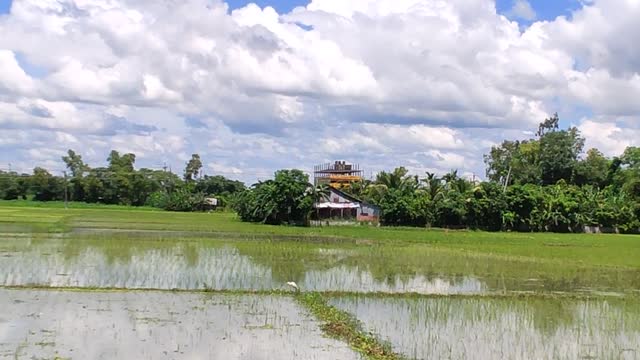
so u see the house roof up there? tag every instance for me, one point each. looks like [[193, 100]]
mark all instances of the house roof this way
[[345, 195], [351, 197]]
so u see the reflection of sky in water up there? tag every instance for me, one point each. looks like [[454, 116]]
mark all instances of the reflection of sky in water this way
[[151, 325], [351, 279], [502, 329], [216, 268]]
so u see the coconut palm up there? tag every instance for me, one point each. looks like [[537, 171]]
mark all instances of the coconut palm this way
[[433, 186], [397, 179], [319, 193]]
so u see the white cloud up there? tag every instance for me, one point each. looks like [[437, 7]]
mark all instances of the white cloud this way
[[522, 9], [226, 170], [608, 137], [426, 83], [13, 79]]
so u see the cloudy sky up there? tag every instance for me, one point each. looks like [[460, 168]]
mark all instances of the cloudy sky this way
[[428, 84]]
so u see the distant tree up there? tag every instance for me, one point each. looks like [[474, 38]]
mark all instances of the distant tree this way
[[551, 124], [98, 186], [514, 162], [320, 193], [46, 187], [397, 179], [593, 170], [13, 185], [77, 168], [284, 200], [121, 163], [193, 167], [433, 185], [559, 152], [629, 173], [486, 205], [631, 157], [74, 163]]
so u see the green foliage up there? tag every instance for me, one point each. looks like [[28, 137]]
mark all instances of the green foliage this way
[[485, 207], [193, 168], [13, 186], [287, 199], [559, 151], [45, 186], [593, 170], [219, 187], [183, 200], [118, 184], [402, 208], [514, 162]]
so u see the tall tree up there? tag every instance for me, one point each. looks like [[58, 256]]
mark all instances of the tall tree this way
[[514, 162], [433, 186], [193, 167], [397, 179], [549, 125], [121, 163], [78, 168], [559, 152], [74, 163]]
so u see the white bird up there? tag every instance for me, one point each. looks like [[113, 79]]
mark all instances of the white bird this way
[[294, 285]]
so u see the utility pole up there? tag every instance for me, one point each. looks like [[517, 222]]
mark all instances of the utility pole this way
[[66, 195], [506, 182]]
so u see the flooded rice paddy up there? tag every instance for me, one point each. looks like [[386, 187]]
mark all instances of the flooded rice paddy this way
[[464, 305], [219, 264], [159, 325], [485, 328]]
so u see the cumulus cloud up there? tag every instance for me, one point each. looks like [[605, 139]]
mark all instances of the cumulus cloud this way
[[429, 83], [522, 9], [13, 78], [608, 136]]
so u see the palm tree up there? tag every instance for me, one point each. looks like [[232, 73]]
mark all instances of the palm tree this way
[[453, 182], [397, 179], [450, 177], [319, 193], [433, 185], [359, 188]]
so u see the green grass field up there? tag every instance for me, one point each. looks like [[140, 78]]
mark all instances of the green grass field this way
[[621, 251]]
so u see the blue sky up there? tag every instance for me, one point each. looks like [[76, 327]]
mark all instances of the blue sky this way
[[546, 9], [4, 6]]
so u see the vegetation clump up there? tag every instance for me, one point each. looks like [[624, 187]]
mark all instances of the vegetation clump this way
[[343, 326]]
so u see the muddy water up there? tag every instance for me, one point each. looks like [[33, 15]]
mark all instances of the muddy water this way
[[479, 328], [155, 325]]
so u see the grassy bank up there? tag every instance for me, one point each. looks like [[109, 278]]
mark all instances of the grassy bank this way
[[343, 326], [569, 249]]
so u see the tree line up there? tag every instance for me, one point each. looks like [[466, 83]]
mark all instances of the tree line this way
[[546, 183], [120, 183]]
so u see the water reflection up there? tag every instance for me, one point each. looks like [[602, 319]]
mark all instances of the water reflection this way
[[151, 325], [440, 328], [195, 264]]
